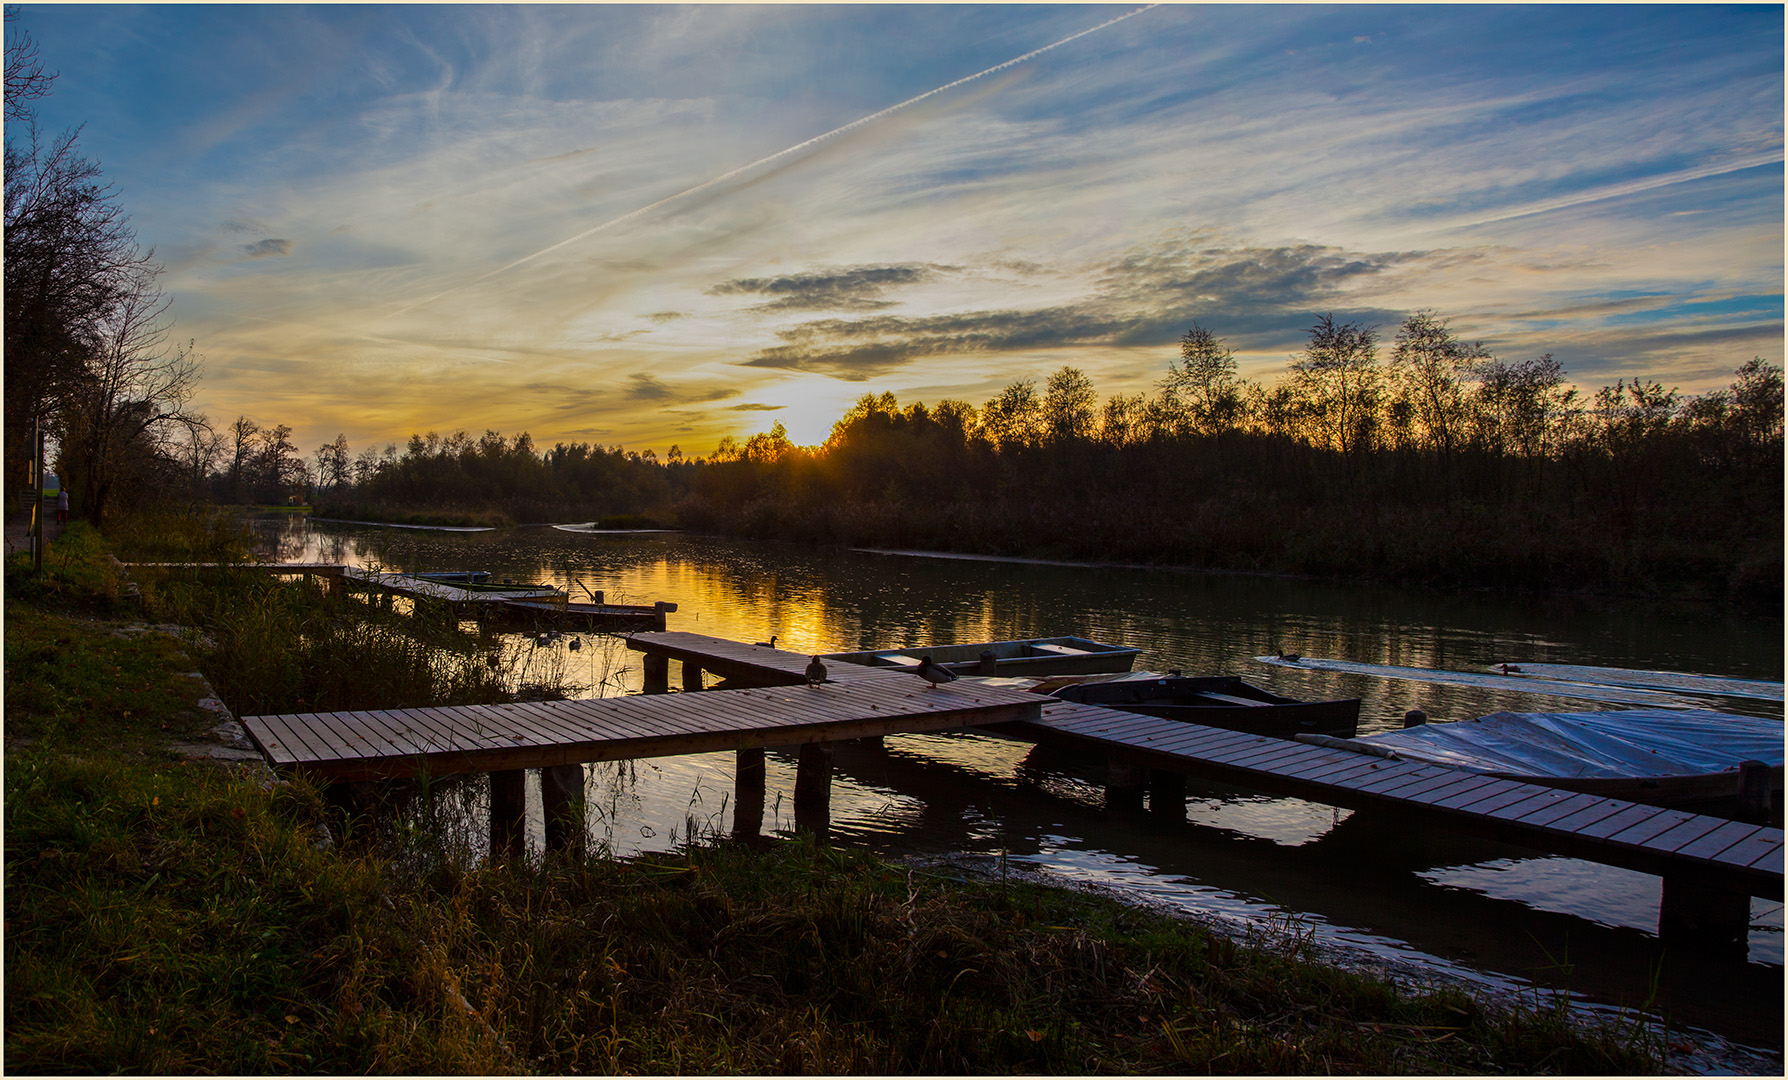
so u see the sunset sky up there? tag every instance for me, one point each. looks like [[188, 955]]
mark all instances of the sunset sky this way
[[642, 225]]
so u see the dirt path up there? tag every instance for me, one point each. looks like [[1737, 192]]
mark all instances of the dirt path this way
[[18, 528]]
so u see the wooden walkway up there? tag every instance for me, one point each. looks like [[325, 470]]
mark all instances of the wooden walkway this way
[[386, 744], [522, 607], [754, 664], [1713, 851]]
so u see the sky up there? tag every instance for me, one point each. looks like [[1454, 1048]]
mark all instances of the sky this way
[[655, 225]]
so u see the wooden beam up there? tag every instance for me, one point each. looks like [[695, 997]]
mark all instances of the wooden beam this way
[[748, 792], [657, 671], [813, 789], [508, 813], [562, 808]]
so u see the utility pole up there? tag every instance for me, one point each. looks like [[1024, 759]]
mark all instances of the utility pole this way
[[37, 498]]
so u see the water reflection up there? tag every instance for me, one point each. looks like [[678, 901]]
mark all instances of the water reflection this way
[[1438, 901]]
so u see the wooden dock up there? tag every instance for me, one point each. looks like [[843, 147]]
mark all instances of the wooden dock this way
[[1716, 851], [522, 607], [393, 743], [1710, 866]]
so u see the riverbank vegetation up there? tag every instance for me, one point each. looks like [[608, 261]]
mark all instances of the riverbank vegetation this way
[[1437, 464], [172, 916]]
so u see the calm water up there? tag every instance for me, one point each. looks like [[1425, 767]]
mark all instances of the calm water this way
[[1424, 902]]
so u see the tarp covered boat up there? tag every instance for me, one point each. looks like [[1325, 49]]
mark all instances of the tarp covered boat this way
[[1219, 701], [1658, 756]]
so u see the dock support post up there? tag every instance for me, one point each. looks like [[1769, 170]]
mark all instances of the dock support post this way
[[657, 668], [562, 803], [1167, 796], [1124, 785], [1753, 791], [748, 793], [692, 676], [1718, 919], [813, 789], [508, 813]]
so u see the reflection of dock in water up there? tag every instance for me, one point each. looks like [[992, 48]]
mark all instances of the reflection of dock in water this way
[[1363, 876]]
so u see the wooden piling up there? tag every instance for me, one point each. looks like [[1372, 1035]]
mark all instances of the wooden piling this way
[[748, 793], [692, 676], [813, 789], [657, 670], [1167, 796], [1754, 791], [1712, 918], [562, 803], [1125, 783], [508, 813]]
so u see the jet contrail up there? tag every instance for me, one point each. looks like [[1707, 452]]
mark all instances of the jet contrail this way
[[724, 177]]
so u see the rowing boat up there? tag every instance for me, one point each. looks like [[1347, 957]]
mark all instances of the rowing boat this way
[[1218, 701], [1030, 656]]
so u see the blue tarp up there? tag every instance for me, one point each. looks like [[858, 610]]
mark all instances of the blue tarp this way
[[1614, 743]]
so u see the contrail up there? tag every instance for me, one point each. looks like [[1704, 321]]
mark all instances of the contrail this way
[[798, 147]]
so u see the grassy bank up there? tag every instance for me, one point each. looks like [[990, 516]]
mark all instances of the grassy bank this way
[[164, 916]]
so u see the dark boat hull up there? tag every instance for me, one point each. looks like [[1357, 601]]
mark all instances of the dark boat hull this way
[[1030, 657], [1223, 702]]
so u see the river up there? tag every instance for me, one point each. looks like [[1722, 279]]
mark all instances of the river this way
[[1419, 903]]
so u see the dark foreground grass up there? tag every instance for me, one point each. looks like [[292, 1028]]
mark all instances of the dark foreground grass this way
[[175, 918], [168, 917]]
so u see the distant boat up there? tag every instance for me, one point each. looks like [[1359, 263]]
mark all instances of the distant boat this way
[[1222, 701], [1028, 657], [1666, 757]]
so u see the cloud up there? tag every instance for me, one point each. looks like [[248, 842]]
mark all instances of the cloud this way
[[753, 406], [855, 289], [644, 387], [1148, 296], [261, 249]]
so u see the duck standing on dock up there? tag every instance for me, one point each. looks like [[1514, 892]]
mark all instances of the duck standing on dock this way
[[816, 672], [933, 674]]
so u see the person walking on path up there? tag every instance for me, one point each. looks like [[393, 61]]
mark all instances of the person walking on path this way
[[62, 506]]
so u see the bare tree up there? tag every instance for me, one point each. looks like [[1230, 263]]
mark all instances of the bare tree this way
[[1201, 387], [1070, 406], [131, 399], [1430, 368], [334, 465], [26, 80], [1340, 381], [1013, 418]]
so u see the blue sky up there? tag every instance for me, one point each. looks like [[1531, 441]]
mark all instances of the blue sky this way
[[384, 219]]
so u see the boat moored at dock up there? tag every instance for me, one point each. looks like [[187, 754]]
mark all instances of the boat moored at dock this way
[[1221, 701], [1026, 657]]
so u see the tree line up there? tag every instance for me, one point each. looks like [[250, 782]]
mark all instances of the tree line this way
[[1423, 458]]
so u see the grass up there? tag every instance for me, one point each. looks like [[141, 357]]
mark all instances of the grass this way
[[170, 917]]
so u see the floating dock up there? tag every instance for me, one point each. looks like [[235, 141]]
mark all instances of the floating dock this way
[[524, 607], [1711, 866]]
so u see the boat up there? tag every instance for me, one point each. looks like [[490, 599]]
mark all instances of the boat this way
[[1031, 656], [1222, 701], [1665, 757]]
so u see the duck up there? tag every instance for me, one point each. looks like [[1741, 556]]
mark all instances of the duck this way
[[576, 644], [1510, 669], [1289, 657], [771, 644], [816, 672], [933, 674]]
